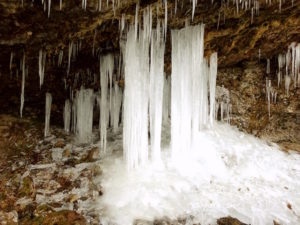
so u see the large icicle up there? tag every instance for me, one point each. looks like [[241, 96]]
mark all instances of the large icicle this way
[[69, 56], [116, 106], [67, 116], [156, 91], [84, 115], [106, 71], [23, 85], [188, 88], [213, 65], [135, 128], [47, 114]]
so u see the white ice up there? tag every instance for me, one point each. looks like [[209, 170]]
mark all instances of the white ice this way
[[230, 173]]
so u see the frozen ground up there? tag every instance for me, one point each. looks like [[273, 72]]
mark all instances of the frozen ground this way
[[229, 173]]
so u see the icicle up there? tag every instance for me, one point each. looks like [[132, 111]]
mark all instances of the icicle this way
[[136, 95], [42, 62], [252, 14], [268, 92], [60, 58], [47, 114], [84, 114], [106, 70], [212, 84], [188, 88], [23, 85], [166, 19], [287, 83], [136, 19], [60, 4], [176, 6], [122, 22], [116, 106], [99, 5], [193, 10], [67, 116], [49, 7], [156, 91], [268, 66], [11, 61], [279, 5], [69, 56]]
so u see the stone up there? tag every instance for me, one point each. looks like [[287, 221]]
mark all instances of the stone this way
[[64, 217], [229, 221], [59, 144]]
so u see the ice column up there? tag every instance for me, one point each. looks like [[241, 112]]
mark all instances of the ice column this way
[[47, 114], [136, 95], [67, 115], [106, 70], [156, 91], [212, 84], [84, 114]]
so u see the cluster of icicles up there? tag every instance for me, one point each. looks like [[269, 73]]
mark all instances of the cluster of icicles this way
[[147, 94], [288, 72], [252, 5]]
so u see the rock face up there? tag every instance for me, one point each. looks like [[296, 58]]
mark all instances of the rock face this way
[[25, 29], [247, 85]]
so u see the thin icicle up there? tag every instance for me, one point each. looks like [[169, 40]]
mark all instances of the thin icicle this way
[[42, 62], [156, 91], [11, 61], [116, 106], [106, 70], [136, 19], [67, 115], [60, 4], [166, 19], [69, 56], [212, 84], [268, 66], [47, 114], [49, 7], [84, 114], [60, 58]]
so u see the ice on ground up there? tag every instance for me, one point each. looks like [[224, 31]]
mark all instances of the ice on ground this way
[[227, 173]]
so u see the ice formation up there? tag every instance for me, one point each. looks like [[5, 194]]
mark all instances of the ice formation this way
[[11, 61], [189, 104], [84, 114], [156, 90], [67, 115], [223, 104], [231, 173], [135, 128], [289, 67], [42, 63], [106, 71], [116, 106], [212, 85], [60, 58], [47, 114]]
